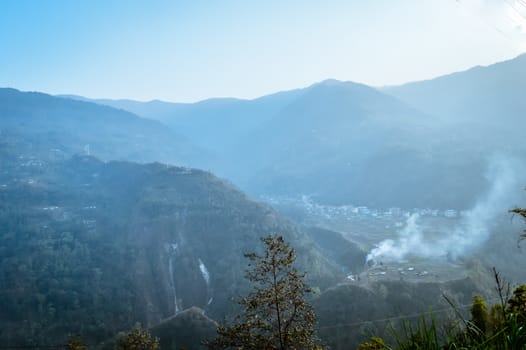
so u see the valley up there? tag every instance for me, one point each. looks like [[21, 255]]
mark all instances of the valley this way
[[367, 228], [107, 218]]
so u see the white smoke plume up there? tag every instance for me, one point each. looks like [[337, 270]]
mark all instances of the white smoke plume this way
[[473, 229]]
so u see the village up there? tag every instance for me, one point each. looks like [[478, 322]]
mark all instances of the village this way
[[368, 226], [351, 212]]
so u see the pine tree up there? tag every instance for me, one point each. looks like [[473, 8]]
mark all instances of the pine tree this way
[[275, 313]]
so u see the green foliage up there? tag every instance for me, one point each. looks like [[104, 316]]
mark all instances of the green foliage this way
[[502, 328], [496, 318], [76, 343], [188, 329], [82, 245], [351, 303], [517, 304], [138, 339], [374, 343], [479, 313], [423, 336], [275, 313]]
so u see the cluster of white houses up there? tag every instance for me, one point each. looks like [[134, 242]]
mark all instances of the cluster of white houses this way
[[349, 211]]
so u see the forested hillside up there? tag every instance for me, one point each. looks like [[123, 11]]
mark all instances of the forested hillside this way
[[90, 247], [75, 127]]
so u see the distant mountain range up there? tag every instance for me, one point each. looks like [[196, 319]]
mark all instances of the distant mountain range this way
[[93, 240], [424, 144]]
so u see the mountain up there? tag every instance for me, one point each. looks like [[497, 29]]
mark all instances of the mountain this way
[[484, 105], [75, 127], [424, 144], [213, 124], [154, 109], [186, 330], [90, 247], [339, 131], [347, 143], [489, 95], [341, 143], [385, 305]]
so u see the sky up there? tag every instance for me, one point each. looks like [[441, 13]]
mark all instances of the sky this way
[[185, 51]]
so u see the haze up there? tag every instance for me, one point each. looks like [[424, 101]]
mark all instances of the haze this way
[[146, 148]]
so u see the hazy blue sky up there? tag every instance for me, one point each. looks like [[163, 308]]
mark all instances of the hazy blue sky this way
[[191, 50]]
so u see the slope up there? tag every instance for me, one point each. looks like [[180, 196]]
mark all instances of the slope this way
[[90, 248], [481, 94], [348, 143], [74, 127]]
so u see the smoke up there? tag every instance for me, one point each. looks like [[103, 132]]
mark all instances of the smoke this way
[[474, 228]]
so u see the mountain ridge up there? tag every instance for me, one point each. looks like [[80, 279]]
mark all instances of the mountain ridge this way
[[109, 132]]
